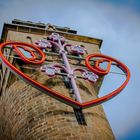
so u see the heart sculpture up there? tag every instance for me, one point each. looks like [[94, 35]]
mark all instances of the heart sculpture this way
[[34, 59]]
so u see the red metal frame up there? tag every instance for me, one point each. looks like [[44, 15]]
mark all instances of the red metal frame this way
[[24, 58], [99, 70], [53, 93]]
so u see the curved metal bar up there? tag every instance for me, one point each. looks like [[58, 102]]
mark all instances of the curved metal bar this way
[[28, 48], [55, 44], [79, 69], [103, 71], [113, 93], [59, 66], [66, 45], [57, 95], [25, 49], [36, 84]]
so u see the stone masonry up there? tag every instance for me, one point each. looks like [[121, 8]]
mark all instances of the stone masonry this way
[[28, 114]]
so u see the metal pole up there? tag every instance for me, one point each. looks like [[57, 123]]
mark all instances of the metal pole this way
[[70, 73], [71, 76]]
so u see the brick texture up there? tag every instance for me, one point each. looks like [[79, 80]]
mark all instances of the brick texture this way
[[28, 114]]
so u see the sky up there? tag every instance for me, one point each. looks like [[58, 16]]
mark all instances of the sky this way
[[118, 24]]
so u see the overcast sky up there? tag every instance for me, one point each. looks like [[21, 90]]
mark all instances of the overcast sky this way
[[118, 24]]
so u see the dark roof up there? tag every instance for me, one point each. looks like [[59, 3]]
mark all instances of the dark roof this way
[[41, 28]]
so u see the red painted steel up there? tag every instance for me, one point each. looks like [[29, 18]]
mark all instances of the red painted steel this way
[[27, 47], [52, 93]]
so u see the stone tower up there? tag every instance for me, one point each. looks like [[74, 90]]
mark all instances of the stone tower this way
[[28, 114]]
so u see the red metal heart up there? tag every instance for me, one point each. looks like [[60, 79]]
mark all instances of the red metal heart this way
[[51, 92], [99, 69]]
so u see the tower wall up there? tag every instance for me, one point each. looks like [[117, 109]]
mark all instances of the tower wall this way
[[28, 114]]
